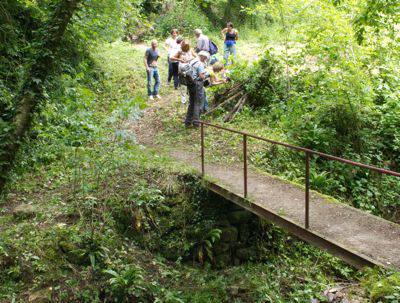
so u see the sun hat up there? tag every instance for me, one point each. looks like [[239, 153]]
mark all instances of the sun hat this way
[[205, 54]]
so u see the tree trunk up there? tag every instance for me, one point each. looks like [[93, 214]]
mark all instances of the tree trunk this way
[[32, 91]]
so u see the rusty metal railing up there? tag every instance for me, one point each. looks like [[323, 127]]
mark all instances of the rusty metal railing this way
[[307, 152]]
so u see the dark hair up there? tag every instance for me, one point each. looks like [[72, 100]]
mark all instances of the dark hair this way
[[174, 30], [230, 24]]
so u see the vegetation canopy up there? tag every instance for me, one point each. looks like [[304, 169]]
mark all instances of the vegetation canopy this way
[[93, 206]]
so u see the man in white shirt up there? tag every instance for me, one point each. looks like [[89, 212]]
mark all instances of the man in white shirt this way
[[203, 43], [171, 47]]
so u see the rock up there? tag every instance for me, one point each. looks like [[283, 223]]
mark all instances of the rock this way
[[40, 296], [234, 290], [239, 217], [223, 222], [229, 234], [24, 211], [223, 260], [245, 254], [221, 247], [244, 233]]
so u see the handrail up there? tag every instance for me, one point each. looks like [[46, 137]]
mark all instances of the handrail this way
[[308, 153], [306, 150]]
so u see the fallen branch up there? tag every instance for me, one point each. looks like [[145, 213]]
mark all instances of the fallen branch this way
[[238, 107]]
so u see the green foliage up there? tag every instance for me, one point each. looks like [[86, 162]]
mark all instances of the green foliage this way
[[183, 15], [382, 287]]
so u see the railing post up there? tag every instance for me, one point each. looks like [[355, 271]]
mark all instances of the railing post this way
[[245, 165], [307, 197], [202, 148]]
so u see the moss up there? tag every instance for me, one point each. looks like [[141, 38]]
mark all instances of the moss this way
[[382, 287]]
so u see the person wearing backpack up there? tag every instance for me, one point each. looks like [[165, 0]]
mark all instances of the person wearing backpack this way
[[195, 88], [150, 62], [230, 36], [203, 42]]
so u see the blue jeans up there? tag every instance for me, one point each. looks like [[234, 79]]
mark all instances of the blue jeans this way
[[204, 107], [153, 73], [229, 51]]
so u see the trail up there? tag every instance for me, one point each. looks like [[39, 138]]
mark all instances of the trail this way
[[371, 237]]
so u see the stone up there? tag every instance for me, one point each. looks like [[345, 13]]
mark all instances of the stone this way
[[239, 217], [234, 290], [221, 247], [223, 222], [244, 233], [223, 260], [24, 211], [40, 296], [229, 234], [245, 254]]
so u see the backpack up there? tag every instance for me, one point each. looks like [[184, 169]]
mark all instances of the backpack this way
[[186, 72], [213, 48]]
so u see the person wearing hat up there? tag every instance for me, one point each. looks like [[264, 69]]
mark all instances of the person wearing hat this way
[[196, 90], [203, 42]]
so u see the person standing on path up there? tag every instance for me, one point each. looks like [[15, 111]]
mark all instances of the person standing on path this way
[[196, 90], [230, 36], [203, 42], [174, 63], [171, 46], [150, 61]]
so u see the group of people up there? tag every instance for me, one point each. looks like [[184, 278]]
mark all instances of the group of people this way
[[205, 69]]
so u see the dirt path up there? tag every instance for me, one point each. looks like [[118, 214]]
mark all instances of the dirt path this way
[[371, 236], [357, 231]]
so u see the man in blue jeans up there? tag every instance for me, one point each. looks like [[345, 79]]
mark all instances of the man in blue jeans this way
[[150, 61]]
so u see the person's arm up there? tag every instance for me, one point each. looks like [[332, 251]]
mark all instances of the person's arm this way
[[237, 35], [223, 32], [145, 61], [177, 57], [215, 81]]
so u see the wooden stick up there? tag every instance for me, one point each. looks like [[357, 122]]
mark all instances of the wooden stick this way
[[235, 109]]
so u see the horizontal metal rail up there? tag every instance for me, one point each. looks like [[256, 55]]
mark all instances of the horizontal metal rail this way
[[306, 150], [307, 153]]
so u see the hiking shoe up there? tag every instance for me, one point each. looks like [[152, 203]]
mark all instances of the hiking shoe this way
[[151, 98]]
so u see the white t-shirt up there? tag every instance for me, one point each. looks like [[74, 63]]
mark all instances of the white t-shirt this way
[[172, 46]]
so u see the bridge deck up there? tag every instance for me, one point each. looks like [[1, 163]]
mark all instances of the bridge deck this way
[[355, 236]]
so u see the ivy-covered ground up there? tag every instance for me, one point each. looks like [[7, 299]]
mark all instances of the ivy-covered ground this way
[[91, 216]]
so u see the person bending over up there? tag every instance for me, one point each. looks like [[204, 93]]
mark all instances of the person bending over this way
[[196, 90], [150, 61], [218, 74], [185, 54]]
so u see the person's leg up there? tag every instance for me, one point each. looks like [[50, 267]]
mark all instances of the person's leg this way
[[156, 76], [175, 72], [149, 77], [226, 54], [192, 99], [170, 73], [200, 94], [234, 52]]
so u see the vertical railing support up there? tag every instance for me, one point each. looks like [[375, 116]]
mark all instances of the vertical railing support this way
[[307, 197], [245, 165], [202, 148]]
